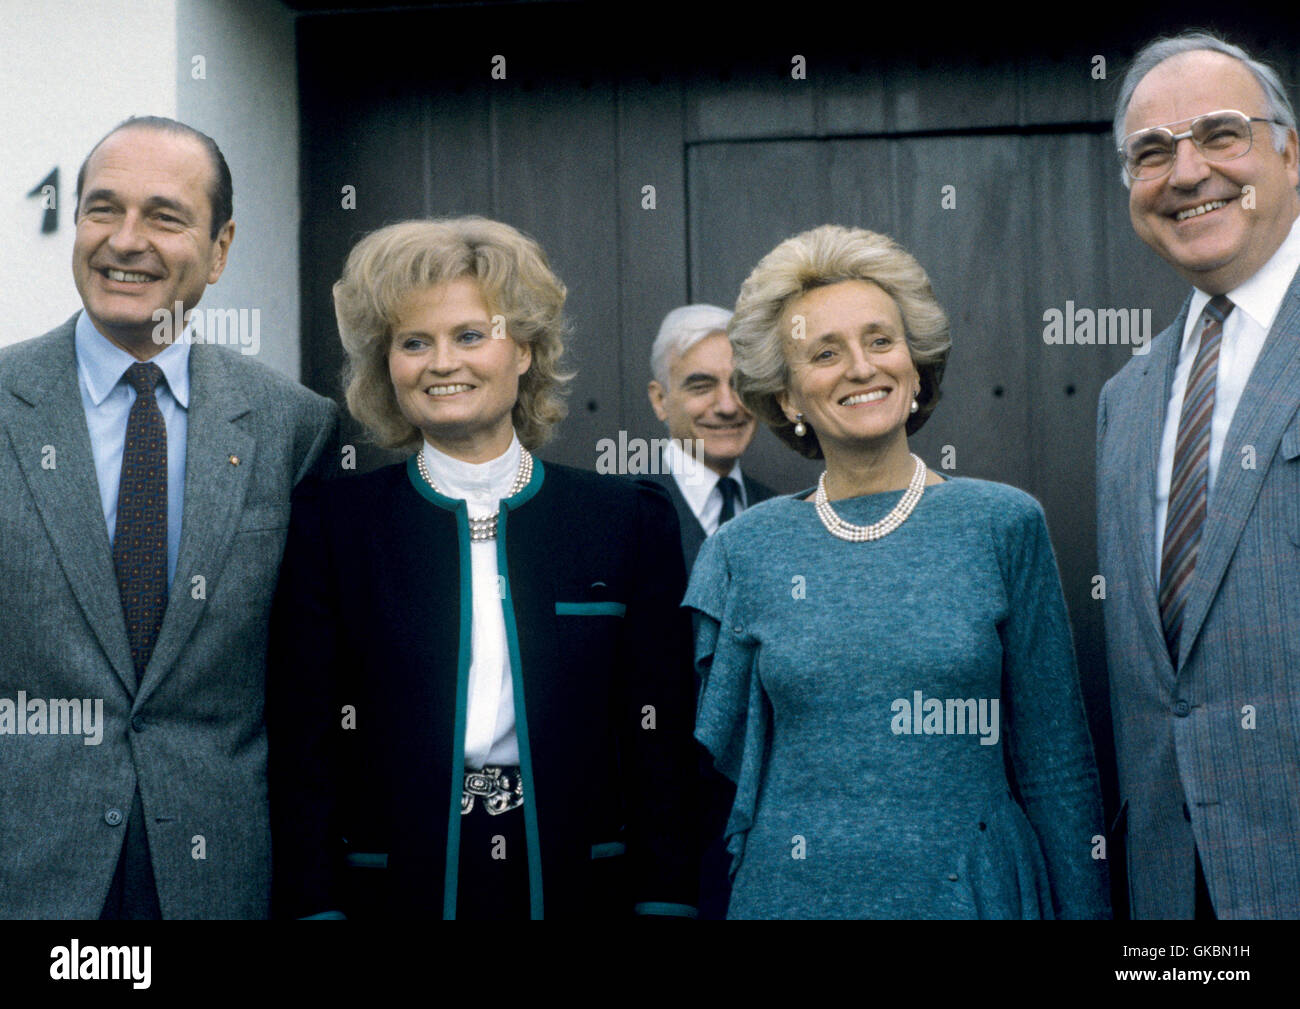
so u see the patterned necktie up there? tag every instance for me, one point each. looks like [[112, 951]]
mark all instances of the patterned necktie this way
[[140, 539], [730, 491], [1189, 482]]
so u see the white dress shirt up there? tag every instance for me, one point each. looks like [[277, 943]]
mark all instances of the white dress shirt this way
[[699, 485], [1255, 306], [490, 738]]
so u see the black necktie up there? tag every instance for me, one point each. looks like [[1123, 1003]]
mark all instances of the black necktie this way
[[730, 491], [140, 537]]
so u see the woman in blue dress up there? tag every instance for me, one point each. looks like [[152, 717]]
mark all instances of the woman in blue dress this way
[[887, 667]]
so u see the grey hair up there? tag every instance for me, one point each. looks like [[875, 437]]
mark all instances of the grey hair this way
[[1154, 53], [681, 330]]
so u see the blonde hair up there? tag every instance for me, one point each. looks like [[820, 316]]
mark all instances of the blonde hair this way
[[823, 256], [517, 283]]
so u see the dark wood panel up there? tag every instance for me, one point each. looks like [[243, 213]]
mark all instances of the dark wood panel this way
[[356, 140], [852, 98], [559, 185], [652, 242], [744, 200], [764, 102], [973, 255], [457, 152], [1059, 87], [1073, 179], [863, 184], [956, 94]]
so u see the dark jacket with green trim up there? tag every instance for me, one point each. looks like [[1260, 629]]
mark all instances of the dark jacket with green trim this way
[[366, 694]]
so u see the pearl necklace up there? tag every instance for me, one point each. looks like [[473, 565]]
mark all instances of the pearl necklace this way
[[486, 527], [836, 526]]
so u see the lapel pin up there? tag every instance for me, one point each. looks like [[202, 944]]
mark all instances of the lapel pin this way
[[234, 460]]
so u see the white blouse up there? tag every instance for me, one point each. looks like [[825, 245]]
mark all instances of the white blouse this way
[[490, 716]]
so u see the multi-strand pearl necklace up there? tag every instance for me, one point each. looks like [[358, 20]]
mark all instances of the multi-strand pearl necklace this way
[[836, 526], [486, 527]]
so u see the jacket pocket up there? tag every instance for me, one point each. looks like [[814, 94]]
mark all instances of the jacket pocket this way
[[608, 893], [263, 518], [603, 609]]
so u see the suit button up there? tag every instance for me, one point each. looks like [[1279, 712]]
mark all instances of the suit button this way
[[139, 724], [1181, 708], [952, 877], [113, 817]]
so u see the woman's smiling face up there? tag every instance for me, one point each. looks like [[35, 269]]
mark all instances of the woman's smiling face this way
[[455, 374]]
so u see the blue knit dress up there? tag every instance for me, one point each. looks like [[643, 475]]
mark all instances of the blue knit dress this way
[[864, 697]]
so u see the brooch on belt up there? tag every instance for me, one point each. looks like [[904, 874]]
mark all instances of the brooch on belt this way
[[500, 788]]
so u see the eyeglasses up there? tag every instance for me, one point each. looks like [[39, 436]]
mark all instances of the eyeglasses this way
[[1219, 136]]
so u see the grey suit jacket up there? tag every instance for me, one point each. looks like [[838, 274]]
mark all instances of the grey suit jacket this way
[[692, 532], [190, 735], [1209, 749]]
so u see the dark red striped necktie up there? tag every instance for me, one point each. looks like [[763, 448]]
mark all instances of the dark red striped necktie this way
[[140, 537], [1189, 481]]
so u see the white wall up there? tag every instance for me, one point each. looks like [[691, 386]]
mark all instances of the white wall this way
[[248, 103], [70, 70]]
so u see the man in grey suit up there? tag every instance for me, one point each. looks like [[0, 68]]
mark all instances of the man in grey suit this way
[[709, 431], [146, 486], [691, 392], [1198, 495]]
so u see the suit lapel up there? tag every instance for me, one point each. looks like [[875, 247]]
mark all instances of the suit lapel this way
[[215, 489], [1267, 405], [47, 414], [1147, 424], [693, 535], [754, 493]]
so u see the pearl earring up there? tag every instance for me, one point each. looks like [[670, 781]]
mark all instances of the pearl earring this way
[[915, 406], [799, 428]]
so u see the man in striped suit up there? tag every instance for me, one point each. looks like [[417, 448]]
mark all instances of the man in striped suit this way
[[1198, 495]]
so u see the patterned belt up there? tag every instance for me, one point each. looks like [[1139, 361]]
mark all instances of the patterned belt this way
[[500, 788]]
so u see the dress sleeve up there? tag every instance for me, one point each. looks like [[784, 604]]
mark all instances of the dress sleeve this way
[[1045, 722], [733, 716]]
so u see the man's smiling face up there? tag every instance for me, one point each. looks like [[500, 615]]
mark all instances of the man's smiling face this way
[[701, 405], [1194, 215], [144, 239]]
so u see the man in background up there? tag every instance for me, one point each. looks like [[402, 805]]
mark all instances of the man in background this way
[[691, 392]]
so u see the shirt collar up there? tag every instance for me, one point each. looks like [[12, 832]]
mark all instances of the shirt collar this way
[[695, 480], [102, 363], [458, 479], [1260, 296]]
